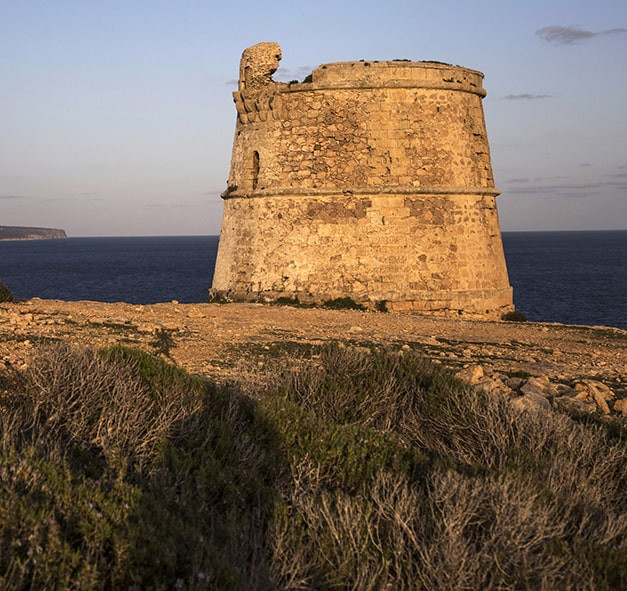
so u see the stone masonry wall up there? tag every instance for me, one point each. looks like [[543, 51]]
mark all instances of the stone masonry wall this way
[[372, 181]]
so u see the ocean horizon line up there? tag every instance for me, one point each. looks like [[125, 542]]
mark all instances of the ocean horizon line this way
[[218, 235]]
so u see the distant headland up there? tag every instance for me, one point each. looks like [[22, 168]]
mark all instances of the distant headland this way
[[25, 233]]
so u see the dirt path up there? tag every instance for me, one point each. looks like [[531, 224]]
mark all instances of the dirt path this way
[[212, 340]]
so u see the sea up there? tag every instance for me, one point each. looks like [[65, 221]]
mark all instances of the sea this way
[[567, 277]]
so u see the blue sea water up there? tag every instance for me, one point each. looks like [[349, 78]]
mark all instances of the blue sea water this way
[[138, 270], [569, 277]]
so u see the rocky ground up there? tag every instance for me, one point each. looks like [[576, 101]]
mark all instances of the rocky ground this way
[[578, 368]]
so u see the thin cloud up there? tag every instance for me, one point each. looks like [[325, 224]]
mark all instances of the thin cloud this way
[[13, 197], [289, 74], [72, 198], [177, 205], [232, 82], [584, 165], [568, 35], [525, 96], [568, 189], [537, 179]]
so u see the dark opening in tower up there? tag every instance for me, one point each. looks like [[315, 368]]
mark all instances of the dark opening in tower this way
[[255, 170]]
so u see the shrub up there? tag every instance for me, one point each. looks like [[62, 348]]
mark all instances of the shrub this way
[[345, 303], [357, 470], [5, 293], [382, 306], [163, 341], [120, 471], [217, 298], [507, 499], [287, 301], [514, 316]]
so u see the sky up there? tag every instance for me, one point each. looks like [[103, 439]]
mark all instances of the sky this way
[[116, 116]]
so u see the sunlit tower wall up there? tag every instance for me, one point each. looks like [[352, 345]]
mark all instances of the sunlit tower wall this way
[[370, 180]]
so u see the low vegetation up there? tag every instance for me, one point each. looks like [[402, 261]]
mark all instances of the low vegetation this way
[[514, 316], [5, 293], [356, 470]]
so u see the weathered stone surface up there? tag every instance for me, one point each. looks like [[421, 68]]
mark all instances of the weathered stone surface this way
[[572, 404], [531, 402], [621, 406], [373, 181], [596, 391], [472, 374], [540, 386]]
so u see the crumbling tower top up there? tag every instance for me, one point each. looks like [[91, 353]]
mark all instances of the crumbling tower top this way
[[257, 65]]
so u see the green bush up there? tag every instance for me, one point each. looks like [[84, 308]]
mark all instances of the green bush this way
[[514, 316], [120, 471], [345, 303], [5, 293], [288, 301], [356, 470]]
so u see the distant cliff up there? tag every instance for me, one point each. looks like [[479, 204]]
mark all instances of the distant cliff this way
[[24, 233]]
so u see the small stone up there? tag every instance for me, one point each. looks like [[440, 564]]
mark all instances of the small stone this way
[[493, 386], [514, 383], [569, 403], [195, 314], [598, 397], [539, 386], [604, 390], [596, 391], [531, 402], [621, 406], [472, 374]]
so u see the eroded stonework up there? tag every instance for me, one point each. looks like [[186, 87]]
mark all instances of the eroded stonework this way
[[373, 181]]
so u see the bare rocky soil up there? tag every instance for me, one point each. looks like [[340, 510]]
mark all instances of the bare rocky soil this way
[[578, 368]]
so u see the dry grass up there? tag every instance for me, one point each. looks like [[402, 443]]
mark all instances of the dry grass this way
[[363, 470], [511, 500]]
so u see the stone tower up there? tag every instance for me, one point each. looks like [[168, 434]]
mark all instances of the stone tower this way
[[371, 180]]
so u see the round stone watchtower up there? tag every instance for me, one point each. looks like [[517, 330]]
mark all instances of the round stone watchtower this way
[[371, 180]]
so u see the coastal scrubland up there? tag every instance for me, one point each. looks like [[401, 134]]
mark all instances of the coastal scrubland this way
[[365, 468]]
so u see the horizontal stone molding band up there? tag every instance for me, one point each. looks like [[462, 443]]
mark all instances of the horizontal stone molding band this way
[[387, 190], [387, 84]]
